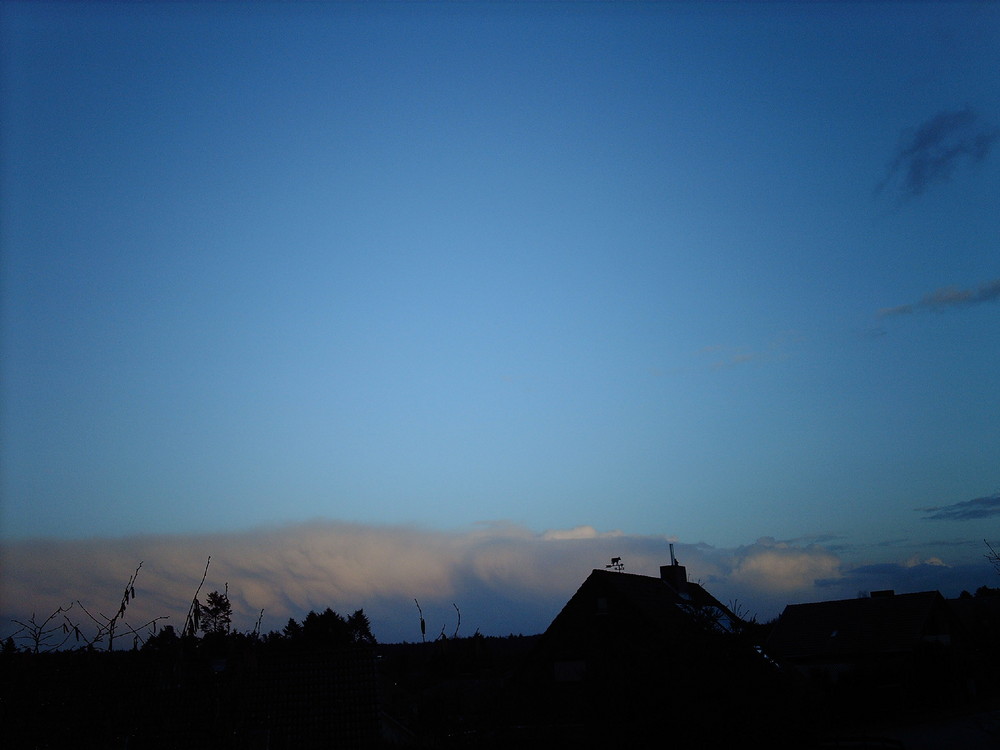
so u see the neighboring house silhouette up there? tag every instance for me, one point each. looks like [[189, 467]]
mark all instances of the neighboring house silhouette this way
[[980, 619], [887, 651]]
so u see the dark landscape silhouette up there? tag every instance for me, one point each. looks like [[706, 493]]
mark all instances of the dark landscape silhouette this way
[[630, 661]]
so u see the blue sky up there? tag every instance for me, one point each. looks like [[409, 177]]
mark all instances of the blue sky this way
[[718, 273]]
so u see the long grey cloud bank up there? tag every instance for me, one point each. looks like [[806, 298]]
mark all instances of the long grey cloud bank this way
[[500, 578]]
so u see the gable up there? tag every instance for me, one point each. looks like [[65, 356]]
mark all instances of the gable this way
[[613, 604]]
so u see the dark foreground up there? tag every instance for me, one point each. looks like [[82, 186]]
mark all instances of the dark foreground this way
[[472, 692]]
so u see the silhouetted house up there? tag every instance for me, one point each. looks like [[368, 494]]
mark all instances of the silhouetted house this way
[[630, 655], [980, 619], [889, 650]]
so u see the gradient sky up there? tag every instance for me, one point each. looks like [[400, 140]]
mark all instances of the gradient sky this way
[[716, 273]]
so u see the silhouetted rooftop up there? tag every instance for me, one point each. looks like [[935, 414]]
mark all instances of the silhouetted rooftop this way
[[885, 624]]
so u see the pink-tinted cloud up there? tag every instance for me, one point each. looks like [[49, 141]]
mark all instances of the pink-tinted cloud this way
[[782, 568], [501, 578]]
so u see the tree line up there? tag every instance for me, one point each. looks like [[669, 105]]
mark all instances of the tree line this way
[[209, 622]]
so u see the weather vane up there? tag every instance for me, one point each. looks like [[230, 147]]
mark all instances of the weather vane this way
[[616, 564]]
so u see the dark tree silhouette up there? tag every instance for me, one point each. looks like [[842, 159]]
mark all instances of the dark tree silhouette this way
[[216, 614], [359, 628], [292, 629], [328, 629]]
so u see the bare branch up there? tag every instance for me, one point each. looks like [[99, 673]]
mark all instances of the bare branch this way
[[137, 637], [39, 634], [423, 625], [194, 611], [993, 556], [109, 625]]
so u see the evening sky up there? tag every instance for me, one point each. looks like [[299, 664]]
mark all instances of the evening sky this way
[[708, 272]]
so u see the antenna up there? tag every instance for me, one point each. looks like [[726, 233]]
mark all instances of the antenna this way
[[616, 564]]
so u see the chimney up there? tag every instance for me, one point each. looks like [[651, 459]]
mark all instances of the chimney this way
[[674, 574]]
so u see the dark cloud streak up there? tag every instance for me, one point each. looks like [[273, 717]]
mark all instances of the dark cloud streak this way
[[947, 298], [967, 510], [929, 154]]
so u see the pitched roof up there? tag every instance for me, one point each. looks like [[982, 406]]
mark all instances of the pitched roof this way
[[655, 599], [889, 624]]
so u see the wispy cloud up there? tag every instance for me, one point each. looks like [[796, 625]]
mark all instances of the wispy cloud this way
[[930, 153], [947, 298], [725, 357], [502, 577], [966, 510]]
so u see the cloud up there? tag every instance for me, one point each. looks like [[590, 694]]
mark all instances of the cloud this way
[[287, 571], [947, 298], [725, 357], [783, 568], [578, 532], [502, 577], [930, 153], [966, 510]]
